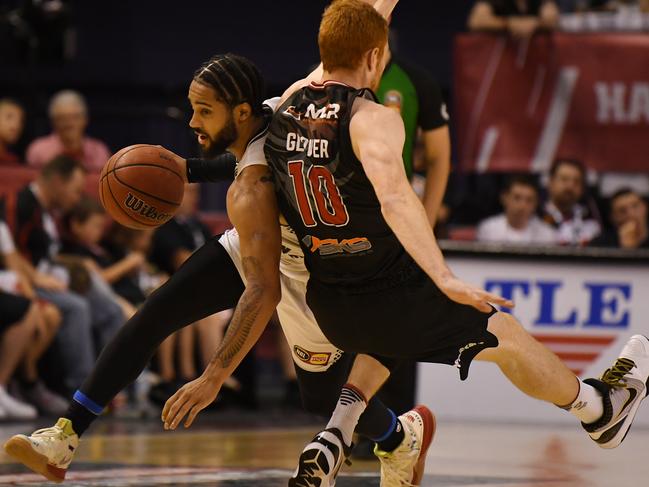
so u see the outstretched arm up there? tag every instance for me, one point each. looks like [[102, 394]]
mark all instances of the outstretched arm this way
[[252, 208], [384, 7], [378, 135]]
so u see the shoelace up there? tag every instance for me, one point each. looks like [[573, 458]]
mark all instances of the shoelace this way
[[393, 476], [614, 376], [51, 431]]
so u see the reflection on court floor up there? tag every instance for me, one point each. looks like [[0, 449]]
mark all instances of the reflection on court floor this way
[[149, 477], [260, 450]]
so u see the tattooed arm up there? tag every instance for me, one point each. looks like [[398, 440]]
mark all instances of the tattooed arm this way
[[252, 208]]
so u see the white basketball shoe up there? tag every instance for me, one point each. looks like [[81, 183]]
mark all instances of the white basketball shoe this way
[[404, 467], [47, 451]]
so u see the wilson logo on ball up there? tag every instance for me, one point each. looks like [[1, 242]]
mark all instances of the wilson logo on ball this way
[[147, 211]]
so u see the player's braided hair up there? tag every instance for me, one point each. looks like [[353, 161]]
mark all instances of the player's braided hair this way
[[235, 79]]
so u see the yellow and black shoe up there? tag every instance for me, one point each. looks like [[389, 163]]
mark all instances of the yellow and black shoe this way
[[623, 387]]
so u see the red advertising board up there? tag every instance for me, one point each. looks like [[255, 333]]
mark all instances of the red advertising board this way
[[520, 104]]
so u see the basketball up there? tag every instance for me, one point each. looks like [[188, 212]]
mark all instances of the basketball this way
[[141, 186]]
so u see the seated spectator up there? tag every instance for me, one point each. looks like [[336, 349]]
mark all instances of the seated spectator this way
[[69, 116], [15, 290], [18, 321], [521, 18], [85, 226], [518, 224], [12, 119], [91, 310], [628, 214], [173, 243], [575, 223]]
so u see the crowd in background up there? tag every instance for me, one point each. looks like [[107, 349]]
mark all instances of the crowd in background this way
[[70, 277]]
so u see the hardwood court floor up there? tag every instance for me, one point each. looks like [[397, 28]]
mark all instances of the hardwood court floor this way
[[248, 450]]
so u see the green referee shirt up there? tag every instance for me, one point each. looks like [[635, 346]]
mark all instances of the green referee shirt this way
[[417, 96]]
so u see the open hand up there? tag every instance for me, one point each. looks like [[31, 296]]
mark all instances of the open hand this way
[[464, 293], [188, 401]]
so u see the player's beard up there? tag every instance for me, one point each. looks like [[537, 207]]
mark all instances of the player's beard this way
[[220, 142]]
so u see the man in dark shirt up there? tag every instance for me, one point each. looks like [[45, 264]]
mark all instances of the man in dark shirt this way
[[58, 188], [519, 17], [629, 218], [175, 241]]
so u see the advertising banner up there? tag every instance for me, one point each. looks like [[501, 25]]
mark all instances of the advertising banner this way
[[519, 104], [584, 312]]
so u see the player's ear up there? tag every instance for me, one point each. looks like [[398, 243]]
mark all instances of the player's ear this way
[[243, 111], [372, 58]]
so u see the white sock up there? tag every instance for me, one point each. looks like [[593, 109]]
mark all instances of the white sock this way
[[351, 405], [588, 407]]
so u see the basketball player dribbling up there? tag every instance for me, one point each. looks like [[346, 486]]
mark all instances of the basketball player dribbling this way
[[378, 282], [228, 113]]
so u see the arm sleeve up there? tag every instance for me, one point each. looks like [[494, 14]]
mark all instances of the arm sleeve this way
[[221, 168]]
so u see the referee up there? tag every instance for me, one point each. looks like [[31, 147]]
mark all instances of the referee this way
[[415, 94]]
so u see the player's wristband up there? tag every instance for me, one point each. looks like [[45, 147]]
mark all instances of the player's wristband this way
[[221, 168]]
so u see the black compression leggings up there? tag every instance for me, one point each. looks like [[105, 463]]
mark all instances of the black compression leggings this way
[[208, 282]]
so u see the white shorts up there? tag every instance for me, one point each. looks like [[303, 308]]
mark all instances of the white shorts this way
[[311, 350]]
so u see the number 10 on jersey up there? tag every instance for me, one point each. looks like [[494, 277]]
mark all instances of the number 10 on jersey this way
[[318, 189]]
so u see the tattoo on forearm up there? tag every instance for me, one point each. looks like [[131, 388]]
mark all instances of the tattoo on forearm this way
[[244, 317]]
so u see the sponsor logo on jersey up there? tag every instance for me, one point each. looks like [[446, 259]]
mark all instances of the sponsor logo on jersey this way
[[326, 112], [333, 246], [312, 358], [137, 205]]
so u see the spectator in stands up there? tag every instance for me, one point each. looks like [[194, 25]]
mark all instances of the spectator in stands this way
[[601, 5], [173, 243], [628, 214], [12, 120], [521, 18], [575, 223], [85, 226], [518, 224], [18, 322], [69, 116], [15, 289], [90, 309]]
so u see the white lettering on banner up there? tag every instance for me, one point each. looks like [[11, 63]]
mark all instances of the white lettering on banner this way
[[612, 106], [608, 303]]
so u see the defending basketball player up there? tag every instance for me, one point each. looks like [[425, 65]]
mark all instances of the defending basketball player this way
[[379, 283], [228, 113]]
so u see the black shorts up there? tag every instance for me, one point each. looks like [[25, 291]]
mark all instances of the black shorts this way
[[13, 309], [402, 317]]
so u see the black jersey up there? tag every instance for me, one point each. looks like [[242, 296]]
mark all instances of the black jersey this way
[[323, 191]]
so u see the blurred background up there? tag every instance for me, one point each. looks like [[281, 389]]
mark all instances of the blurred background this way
[[538, 110]]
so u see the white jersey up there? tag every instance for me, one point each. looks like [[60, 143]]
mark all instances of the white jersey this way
[[311, 350]]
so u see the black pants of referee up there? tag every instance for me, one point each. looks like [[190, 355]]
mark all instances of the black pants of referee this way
[[208, 282]]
